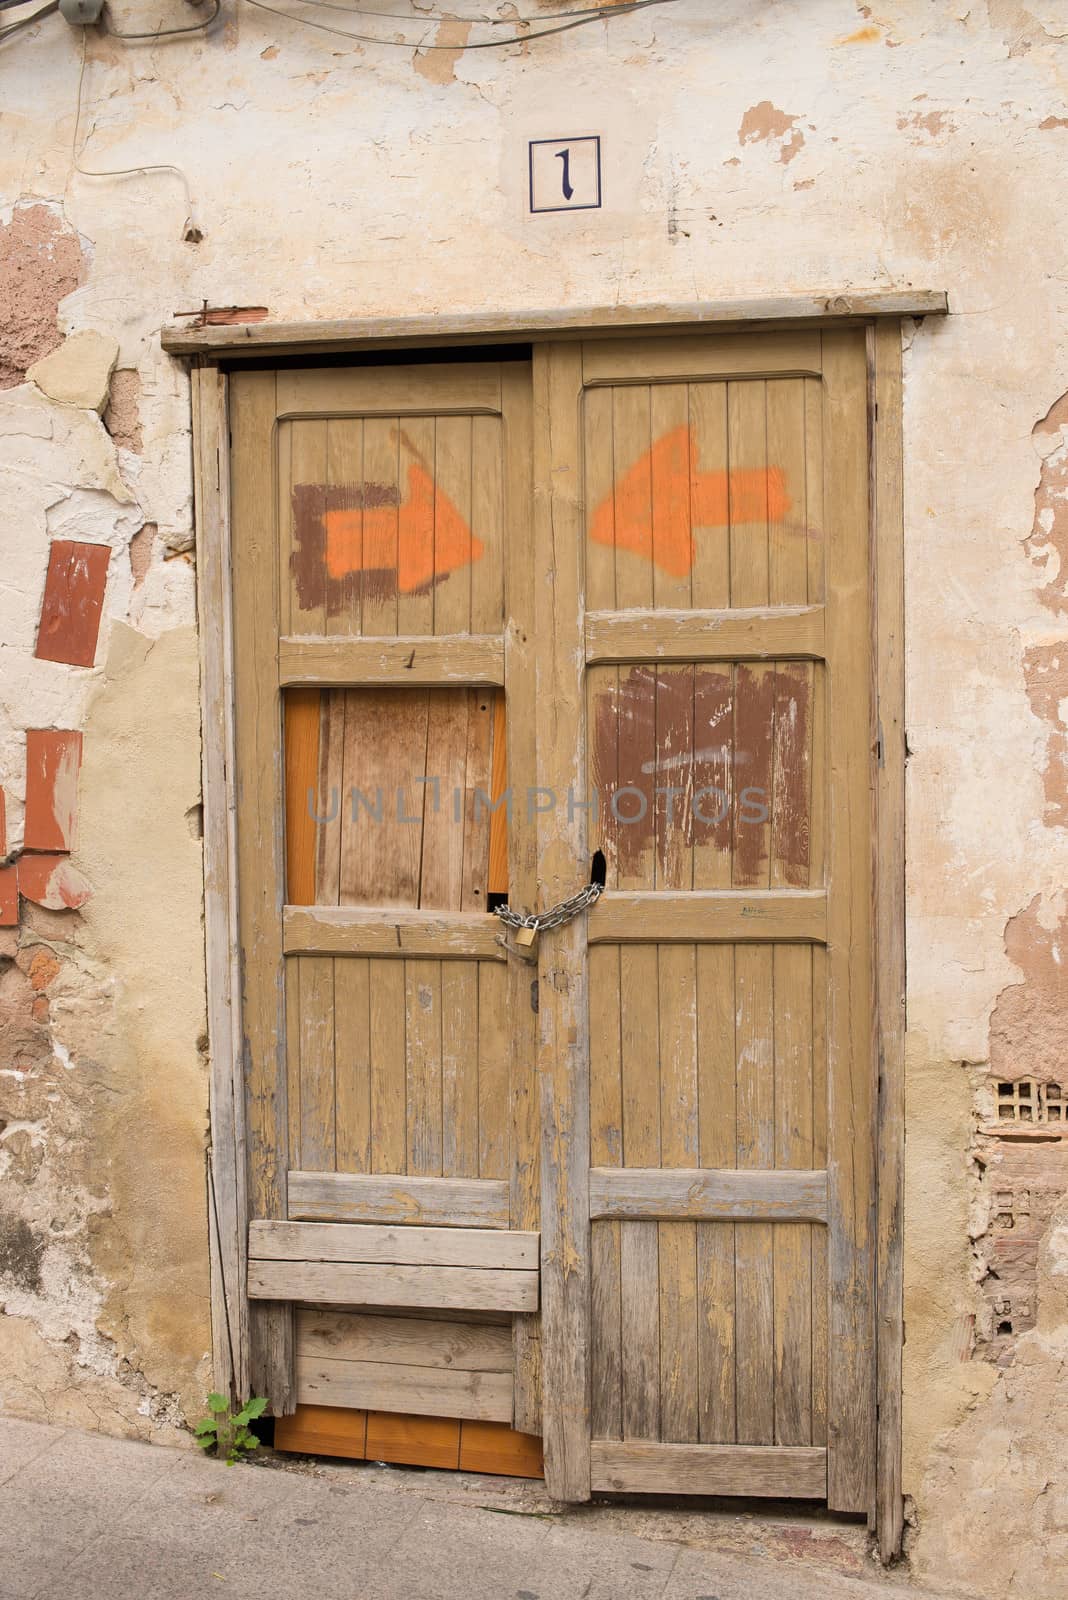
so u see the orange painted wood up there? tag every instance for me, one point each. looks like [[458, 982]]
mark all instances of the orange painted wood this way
[[73, 599], [3, 824], [495, 1447], [497, 878], [302, 708], [53, 757], [413, 1441], [9, 896], [323, 1431]]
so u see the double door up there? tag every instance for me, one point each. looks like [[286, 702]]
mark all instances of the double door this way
[[500, 626]]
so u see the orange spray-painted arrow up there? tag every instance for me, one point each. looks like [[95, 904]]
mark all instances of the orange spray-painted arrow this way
[[422, 539], [659, 501]]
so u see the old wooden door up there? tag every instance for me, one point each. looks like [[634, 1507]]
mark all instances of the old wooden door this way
[[489, 618]]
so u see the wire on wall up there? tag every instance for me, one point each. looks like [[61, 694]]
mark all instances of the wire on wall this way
[[191, 231], [580, 19], [25, 22]]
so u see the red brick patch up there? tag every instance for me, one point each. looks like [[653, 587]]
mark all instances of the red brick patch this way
[[73, 599], [53, 757], [9, 897], [51, 881]]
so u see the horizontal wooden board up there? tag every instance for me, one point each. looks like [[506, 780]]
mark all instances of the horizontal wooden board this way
[[444, 1288], [352, 931], [388, 1197], [410, 1340], [705, 1195], [635, 1467], [434, 388], [767, 916], [371, 333], [396, 1245], [681, 357], [418, 1391], [412, 663], [489, 1447], [757, 634]]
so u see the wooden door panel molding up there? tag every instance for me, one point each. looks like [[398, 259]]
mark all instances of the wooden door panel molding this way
[[351, 931], [675, 358], [398, 1198], [633, 1467], [761, 634], [703, 916], [442, 388], [703, 1195], [417, 662]]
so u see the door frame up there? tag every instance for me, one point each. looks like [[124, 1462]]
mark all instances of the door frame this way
[[215, 350]]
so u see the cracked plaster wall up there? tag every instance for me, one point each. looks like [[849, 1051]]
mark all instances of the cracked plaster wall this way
[[791, 146]]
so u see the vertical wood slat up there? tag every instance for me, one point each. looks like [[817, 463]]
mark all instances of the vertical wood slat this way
[[380, 480], [563, 1044], [389, 1074], [524, 1131], [631, 440], [711, 577], [422, 1013], [851, 1395], [353, 1049], [345, 470], [452, 479], [606, 1149], [754, 1248], [884, 357], [260, 849], [226, 1167]]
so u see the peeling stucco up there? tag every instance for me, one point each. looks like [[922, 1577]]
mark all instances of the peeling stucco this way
[[41, 261]]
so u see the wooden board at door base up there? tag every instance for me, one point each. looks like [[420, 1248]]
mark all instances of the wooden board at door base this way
[[442, 1442], [615, 598]]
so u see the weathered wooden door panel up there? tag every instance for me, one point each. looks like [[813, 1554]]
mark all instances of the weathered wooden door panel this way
[[491, 619], [373, 510], [723, 982]]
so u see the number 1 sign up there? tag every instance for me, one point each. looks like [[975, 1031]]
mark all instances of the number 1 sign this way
[[565, 174]]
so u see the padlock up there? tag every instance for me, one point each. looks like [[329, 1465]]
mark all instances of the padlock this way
[[526, 937]]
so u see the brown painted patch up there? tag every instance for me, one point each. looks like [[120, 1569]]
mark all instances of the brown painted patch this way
[[766, 124], [352, 539], [73, 600], [931, 123], [41, 261], [866, 35], [691, 764], [1029, 1026], [1053, 122], [53, 757], [122, 417]]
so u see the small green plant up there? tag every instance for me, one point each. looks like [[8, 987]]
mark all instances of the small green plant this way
[[227, 1432]]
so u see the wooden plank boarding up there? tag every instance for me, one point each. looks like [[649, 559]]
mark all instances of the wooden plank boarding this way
[[636, 1468], [563, 1042], [728, 1195], [402, 1245], [360, 1284], [260, 850]]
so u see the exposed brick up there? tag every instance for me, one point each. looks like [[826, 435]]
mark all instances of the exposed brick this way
[[53, 757], [9, 897], [51, 881], [42, 969], [73, 600]]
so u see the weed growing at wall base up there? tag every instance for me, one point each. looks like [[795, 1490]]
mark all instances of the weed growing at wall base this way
[[228, 1432]]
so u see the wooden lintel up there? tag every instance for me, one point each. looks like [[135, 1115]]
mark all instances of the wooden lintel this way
[[351, 931], [777, 634], [295, 338], [710, 916], [707, 1194], [451, 660]]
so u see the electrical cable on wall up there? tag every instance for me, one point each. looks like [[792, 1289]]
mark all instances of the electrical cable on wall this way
[[580, 19], [191, 231]]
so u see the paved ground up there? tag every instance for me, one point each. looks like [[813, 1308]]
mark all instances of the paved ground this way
[[83, 1517]]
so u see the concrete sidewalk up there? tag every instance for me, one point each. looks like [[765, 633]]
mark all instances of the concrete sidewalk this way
[[85, 1517]]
